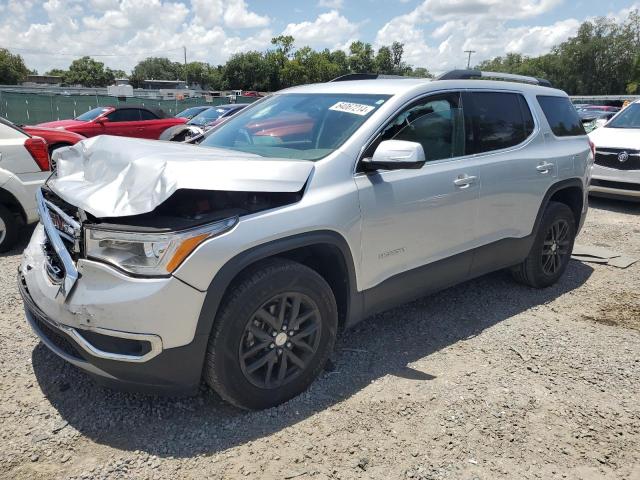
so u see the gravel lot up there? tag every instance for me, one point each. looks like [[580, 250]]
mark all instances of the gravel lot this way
[[485, 380]]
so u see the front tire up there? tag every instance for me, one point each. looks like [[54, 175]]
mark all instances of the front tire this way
[[551, 250], [9, 229], [272, 336]]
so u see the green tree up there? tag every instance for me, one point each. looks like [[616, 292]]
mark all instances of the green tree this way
[[56, 72], [361, 57], [421, 72], [88, 72], [247, 71], [12, 68], [384, 61], [156, 68]]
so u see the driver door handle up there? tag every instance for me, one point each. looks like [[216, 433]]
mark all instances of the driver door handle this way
[[464, 181]]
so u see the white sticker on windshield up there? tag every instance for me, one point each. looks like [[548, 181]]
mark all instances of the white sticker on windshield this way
[[355, 108]]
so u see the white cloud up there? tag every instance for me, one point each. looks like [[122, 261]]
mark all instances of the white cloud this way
[[328, 30], [332, 4], [237, 16], [437, 32]]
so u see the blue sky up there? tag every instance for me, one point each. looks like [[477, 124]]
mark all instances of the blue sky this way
[[435, 32]]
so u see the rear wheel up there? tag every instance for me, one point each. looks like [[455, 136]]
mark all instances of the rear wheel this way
[[273, 335], [8, 229], [551, 250]]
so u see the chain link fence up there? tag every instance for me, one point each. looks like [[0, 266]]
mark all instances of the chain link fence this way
[[33, 108]]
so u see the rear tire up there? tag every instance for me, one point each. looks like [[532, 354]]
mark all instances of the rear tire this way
[[9, 229], [252, 361], [551, 250]]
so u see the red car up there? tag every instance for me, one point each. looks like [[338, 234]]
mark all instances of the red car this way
[[54, 137], [124, 121]]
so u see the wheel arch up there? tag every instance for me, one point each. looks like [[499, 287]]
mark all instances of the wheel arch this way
[[570, 192], [11, 202], [318, 250]]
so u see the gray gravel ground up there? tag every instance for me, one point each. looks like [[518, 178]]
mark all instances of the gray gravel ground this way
[[486, 380]]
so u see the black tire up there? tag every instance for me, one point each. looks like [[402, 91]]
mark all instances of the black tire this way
[[9, 229], [227, 373], [551, 250]]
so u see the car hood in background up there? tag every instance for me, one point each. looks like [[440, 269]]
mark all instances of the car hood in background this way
[[616, 138], [114, 176], [61, 123]]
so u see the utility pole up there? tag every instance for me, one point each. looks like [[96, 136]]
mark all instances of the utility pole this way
[[186, 75], [468, 59]]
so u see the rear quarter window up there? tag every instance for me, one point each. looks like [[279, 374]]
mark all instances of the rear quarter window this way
[[561, 115]]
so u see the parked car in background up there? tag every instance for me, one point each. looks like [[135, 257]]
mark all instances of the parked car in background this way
[[201, 123], [191, 112], [616, 172], [24, 166], [592, 119], [55, 137], [251, 93], [605, 108], [240, 260], [124, 121]]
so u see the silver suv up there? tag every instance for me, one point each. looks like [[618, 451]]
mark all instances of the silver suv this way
[[238, 261]]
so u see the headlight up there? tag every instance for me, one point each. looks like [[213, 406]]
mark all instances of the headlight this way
[[149, 254]]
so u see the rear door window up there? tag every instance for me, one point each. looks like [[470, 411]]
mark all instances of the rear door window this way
[[495, 120], [561, 115]]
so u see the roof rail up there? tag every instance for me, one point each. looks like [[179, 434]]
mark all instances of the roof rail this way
[[468, 74], [363, 76]]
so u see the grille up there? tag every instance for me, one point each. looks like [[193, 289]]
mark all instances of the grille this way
[[608, 157]]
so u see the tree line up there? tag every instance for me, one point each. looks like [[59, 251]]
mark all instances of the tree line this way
[[279, 67], [603, 58]]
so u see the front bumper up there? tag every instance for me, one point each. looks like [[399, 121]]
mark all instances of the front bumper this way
[[613, 183], [135, 333]]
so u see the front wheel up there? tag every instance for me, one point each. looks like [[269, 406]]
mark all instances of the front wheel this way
[[272, 336], [551, 250]]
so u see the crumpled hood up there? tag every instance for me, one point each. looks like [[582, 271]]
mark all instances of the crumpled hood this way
[[115, 176]]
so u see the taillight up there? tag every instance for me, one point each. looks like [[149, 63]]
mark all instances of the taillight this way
[[38, 149]]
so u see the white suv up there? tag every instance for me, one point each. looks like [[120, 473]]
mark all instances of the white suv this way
[[24, 166], [616, 172], [238, 261]]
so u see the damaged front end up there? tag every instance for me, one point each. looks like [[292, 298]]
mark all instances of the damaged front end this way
[[143, 207]]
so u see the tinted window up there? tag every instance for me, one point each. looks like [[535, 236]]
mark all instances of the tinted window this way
[[147, 115], [124, 115], [561, 115], [435, 122], [495, 120]]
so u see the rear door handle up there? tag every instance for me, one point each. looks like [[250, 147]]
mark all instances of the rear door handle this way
[[463, 181], [544, 167]]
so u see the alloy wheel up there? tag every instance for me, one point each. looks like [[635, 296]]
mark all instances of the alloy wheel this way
[[280, 340], [555, 248]]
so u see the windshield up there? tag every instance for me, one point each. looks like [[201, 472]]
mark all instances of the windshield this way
[[92, 114], [190, 112], [208, 116], [627, 118], [296, 125]]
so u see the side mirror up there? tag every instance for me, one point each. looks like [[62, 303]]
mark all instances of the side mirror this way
[[102, 119], [396, 155]]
